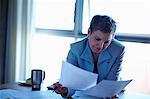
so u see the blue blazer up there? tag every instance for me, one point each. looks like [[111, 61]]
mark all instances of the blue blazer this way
[[109, 61]]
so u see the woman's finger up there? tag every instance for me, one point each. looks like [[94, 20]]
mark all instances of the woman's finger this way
[[61, 90], [56, 85]]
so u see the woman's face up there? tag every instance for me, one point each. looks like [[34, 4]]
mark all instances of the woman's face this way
[[99, 41]]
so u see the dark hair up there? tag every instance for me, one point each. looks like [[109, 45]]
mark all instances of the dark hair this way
[[103, 23]]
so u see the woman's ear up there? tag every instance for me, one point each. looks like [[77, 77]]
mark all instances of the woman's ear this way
[[89, 32], [113, 35]]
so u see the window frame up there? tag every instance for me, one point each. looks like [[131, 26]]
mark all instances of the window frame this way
[[77, 32]]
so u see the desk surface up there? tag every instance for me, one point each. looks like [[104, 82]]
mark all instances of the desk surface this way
[[13, 91]]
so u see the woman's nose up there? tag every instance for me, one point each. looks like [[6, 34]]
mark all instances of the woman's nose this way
[[101, 45]]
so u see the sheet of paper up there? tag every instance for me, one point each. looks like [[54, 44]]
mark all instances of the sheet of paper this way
[[77, 78], [107, 88], [17, 94]]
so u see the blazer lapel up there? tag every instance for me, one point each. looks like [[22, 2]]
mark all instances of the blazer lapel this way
[[105, 55], [88, 58], [87, 54], [104, 64]]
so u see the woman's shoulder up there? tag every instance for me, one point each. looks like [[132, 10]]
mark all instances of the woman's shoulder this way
[[116, 47], [117, 43], [79, 45]]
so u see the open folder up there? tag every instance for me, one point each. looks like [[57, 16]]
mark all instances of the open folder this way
[[85, 81]]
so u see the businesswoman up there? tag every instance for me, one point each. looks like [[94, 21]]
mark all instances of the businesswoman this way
[[99, 52]]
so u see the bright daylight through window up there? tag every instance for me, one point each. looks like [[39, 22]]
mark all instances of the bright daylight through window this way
[[51, 14], [132, 16]]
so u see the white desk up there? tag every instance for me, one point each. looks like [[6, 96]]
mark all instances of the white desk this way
[[18, 92]]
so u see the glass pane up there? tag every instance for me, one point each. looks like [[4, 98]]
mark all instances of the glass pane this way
[[47, 53], [136, 66], [132, 16], [51, 14]]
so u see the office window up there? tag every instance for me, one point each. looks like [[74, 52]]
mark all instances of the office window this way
[[132, 16], [51, 14]]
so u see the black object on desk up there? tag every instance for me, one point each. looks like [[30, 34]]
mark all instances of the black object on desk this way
[[37, 76], [50, 87], [25, 84]]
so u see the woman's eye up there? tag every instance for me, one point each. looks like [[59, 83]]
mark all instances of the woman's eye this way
[[97, 39], [106, 42]]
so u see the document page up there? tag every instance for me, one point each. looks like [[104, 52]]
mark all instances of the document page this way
[[77, 78], [107, 88], [17, 94]]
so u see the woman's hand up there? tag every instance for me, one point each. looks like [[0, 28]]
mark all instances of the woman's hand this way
[[114, 97], [59, 89]]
